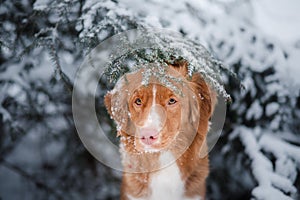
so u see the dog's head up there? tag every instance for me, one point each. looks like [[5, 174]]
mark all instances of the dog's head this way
[[152, 117]]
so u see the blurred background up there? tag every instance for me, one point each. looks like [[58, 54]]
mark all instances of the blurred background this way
[[43, 43]]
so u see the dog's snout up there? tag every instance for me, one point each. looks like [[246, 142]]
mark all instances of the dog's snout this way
[[148, 136]]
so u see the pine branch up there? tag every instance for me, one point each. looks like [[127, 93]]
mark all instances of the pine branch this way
[[262, 169], [49, 43], [58, 70]]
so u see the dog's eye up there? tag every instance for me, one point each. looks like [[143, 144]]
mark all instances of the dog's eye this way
[[172, 101], [138, 101]]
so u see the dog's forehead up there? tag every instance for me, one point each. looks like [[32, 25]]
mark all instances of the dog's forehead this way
[[153, 90], [144, 89], [133, 82], [163, 90]]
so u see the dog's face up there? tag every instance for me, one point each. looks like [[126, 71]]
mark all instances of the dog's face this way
[[156, 112], [153, 117]]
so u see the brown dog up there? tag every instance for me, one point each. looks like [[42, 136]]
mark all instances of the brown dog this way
[[163, 135]]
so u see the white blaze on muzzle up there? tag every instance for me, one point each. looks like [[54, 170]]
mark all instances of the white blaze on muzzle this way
[[149, 132]]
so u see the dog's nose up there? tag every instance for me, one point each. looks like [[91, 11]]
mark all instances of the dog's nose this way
[[148, 136]]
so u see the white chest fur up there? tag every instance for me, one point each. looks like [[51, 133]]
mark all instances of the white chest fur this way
[[167, 182]]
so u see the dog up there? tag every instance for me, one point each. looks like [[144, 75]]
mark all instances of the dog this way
[[163, 134]]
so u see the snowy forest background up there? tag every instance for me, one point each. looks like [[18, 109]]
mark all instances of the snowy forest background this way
[[43, 42]]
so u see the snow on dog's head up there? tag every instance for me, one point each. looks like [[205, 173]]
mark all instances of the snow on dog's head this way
[[153, 117]]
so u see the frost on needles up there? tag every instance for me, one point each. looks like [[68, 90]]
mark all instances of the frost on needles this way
[[147, 48]]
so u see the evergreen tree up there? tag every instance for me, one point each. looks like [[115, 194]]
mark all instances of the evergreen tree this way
[[42, 44]]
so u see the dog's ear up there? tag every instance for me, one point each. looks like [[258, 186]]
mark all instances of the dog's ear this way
[[107, 103], [116, 103], [208, 96], [213, 99]]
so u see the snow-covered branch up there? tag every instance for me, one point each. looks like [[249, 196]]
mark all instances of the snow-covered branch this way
[[273, 183]]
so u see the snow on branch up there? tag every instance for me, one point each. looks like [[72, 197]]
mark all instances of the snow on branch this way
[[273, 183], [98, 21], [164, 48]]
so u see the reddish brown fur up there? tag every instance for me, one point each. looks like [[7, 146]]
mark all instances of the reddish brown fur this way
[[139, 113], [194, 170]]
